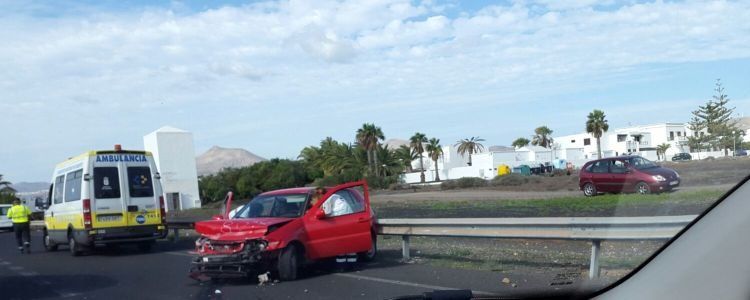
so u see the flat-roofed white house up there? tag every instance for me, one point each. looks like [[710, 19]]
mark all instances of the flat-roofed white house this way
[[640, 140]]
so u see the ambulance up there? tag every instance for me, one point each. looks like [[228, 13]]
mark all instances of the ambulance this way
[[104, 197]]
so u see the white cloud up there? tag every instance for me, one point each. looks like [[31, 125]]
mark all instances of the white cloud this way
[[148, 66]]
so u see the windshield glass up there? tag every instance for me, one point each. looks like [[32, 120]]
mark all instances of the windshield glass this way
[[287, 206], [641, 163]]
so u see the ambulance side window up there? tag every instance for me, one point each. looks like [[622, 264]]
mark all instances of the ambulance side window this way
[[59, 189], [73, 186], [106, 183]]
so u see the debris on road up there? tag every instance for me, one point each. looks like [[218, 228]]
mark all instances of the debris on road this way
[[263, 278]]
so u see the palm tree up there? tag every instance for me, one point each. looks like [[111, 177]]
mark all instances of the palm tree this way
[[339, 158], [435, 152], [661, 151], [597, 125], [406, 155], [368, 137], [542, 137], [5, 186], [417, 143], [470, 145], [520, 142], [389, 161], [312, 157]]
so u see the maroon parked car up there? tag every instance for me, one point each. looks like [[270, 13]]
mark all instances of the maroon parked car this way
[[626, 174]]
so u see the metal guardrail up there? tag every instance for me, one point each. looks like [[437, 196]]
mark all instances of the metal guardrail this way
[[595, 229]]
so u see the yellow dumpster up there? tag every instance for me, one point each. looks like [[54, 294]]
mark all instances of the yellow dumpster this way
[[503, 170]]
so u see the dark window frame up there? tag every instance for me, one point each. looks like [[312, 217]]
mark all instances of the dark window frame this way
[[133, 190], [114, 183], [73, 185], [598, 169], [59, 190]]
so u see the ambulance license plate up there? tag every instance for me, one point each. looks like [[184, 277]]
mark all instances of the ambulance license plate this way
[[108, 218]]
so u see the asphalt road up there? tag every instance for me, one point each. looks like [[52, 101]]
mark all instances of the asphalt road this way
[[126, 273]]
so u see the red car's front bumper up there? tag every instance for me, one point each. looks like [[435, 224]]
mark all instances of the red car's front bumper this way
[[231, 260]]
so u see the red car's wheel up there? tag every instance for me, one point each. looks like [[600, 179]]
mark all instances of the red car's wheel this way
[[642, 188], [288, 264], [589, 190], [370, 255]]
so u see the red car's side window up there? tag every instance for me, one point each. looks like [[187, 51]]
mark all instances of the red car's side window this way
[[342, 203]]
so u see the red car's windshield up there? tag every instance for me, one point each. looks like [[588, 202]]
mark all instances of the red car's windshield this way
[[288, 206]]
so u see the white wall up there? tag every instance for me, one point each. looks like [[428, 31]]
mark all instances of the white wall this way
[[702, 155], [174, 155]]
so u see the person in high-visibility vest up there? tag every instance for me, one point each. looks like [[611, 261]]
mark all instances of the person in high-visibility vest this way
[[19, 215]]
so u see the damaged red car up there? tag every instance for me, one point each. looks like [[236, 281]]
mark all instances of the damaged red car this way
[[280, 231]]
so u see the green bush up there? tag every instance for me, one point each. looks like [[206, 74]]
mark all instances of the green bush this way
[[449, 184], [463, 183], [468, 182], [509, 180]]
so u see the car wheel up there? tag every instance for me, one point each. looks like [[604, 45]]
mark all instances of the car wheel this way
[[642, 188], [589, 190], [370, 255], [288, 264], [75, 250], [47, 242]]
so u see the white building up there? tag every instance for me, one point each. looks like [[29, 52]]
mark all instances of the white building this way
[[484, 165], [174, 156], [576, 149], [640, 140]]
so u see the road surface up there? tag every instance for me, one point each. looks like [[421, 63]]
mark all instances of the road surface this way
[[126, 273]]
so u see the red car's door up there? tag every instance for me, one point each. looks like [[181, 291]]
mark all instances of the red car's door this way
[[345, 229], [600, 176], [618, 173]]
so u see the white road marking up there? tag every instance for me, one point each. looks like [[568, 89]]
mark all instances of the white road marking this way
[[16, 268], [4, 263], [68, 295], [405, 283], [179, 253], [29, 274]]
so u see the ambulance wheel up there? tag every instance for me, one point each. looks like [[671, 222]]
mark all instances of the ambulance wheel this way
[[75, 249], [47, 242]]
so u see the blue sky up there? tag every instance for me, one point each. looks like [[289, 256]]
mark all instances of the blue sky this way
[[273, 77]]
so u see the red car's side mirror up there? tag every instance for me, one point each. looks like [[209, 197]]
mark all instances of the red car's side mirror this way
[[320, 214], [217, 217]]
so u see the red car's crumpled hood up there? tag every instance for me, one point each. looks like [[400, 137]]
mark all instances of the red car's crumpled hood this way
[[237, 229]]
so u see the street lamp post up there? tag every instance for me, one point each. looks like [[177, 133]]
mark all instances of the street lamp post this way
[[734, 144]]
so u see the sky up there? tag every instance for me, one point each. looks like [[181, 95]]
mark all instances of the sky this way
[[275, 76]]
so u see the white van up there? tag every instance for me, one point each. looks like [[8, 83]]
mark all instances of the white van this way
[[5, 223], [103, 197]]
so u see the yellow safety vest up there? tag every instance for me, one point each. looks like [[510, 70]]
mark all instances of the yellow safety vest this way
[[19, 214]]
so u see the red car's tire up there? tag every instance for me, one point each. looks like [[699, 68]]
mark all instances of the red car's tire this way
[[642, 188], [369, 256], [288, 264], [589, 189]]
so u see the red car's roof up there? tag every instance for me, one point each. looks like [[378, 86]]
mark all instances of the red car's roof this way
[[297, 190]]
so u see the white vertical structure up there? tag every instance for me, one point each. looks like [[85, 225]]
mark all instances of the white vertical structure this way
[[174, 155]]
